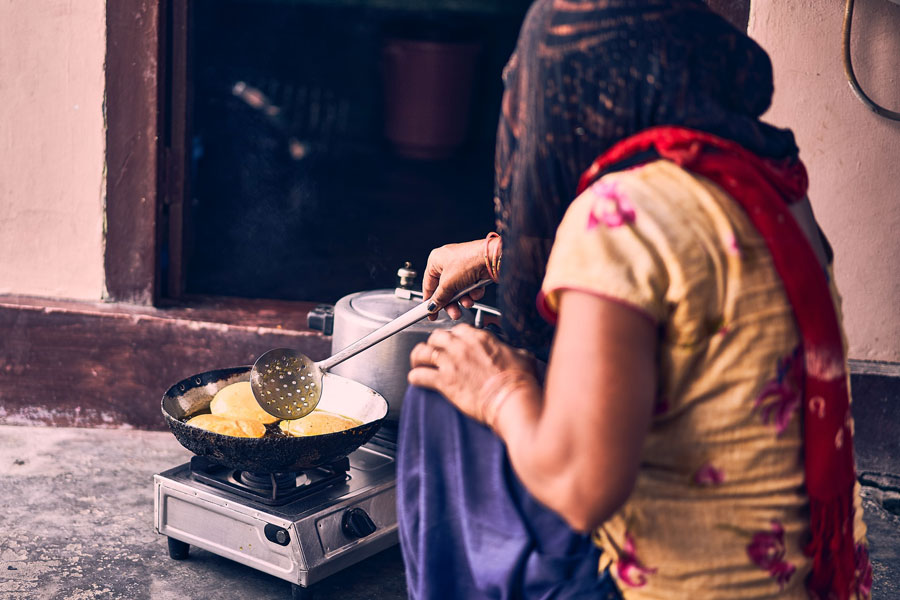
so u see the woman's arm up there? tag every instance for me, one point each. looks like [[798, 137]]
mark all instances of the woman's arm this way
[[577, 446], [579, 450]]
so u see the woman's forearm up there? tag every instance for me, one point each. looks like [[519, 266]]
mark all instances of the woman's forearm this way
[[552, 467], [576, 444]]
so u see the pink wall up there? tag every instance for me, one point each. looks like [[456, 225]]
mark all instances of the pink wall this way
[[853, 156], [52, 147]]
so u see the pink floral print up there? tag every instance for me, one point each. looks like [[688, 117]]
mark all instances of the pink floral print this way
[[780, 398], [630, 570], [863, 572], [766, 550], [610, 207], [732, 245], [709, 475]]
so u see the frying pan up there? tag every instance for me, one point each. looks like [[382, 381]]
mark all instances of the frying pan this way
[[272, 454]]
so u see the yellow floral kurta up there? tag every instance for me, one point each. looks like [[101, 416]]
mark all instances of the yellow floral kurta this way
[[719, 508]]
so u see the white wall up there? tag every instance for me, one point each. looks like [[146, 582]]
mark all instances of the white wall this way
[[853, 156], [52, 147]]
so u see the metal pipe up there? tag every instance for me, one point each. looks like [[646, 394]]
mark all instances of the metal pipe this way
[[851, 76]]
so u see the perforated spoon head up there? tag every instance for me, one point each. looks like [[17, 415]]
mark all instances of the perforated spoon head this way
[[286, 384]]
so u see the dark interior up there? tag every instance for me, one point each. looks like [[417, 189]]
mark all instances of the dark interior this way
[[294, 190]]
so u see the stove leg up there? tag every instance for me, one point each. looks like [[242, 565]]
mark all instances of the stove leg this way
[[298, 592], [178, 550]]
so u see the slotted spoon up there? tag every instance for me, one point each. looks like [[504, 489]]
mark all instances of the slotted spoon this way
[[288, 384]]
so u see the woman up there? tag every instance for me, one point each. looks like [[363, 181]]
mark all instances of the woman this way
[[695, 414]]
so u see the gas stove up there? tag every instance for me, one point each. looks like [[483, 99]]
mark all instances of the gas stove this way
[[301, 527]]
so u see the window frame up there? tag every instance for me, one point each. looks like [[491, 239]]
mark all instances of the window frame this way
[[147, 94]]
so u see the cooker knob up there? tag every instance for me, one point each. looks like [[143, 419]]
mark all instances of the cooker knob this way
[[356, 523], [276, 534], [406, 276]]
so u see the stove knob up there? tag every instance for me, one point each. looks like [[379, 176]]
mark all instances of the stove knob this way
[[277, 534], [356, 523]]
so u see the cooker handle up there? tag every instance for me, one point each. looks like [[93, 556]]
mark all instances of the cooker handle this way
[[321, 318], [483, 309], [479, 308]]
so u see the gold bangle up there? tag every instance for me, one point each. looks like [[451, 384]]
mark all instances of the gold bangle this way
[[495, 260], [497, 390], [488, 261]]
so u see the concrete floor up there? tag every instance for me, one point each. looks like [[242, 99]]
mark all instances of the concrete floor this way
[[76, 523]]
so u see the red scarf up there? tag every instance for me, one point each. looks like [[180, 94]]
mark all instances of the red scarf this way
[[764, 188]]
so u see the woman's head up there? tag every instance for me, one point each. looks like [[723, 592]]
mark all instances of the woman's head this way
[[584, 76]]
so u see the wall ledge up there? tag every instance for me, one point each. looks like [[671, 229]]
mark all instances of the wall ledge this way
[[874, 367], [96, 364]]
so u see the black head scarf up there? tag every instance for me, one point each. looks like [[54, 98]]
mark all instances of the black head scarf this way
[[587, 74]]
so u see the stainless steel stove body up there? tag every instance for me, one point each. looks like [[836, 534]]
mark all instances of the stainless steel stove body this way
[[338, 518]]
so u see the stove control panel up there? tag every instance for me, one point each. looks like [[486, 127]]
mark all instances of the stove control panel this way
[[368, 518]]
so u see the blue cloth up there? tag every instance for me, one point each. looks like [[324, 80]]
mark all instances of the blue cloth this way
[[468, 528]]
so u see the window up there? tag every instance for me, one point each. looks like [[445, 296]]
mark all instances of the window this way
[[284, 176]]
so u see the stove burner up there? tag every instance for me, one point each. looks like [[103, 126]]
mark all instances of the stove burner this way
[[272, 489], [270, 483]]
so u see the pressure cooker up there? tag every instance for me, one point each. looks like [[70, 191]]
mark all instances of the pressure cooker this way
[[383, 367]]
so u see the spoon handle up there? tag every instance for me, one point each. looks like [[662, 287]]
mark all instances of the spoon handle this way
[[388, 329]]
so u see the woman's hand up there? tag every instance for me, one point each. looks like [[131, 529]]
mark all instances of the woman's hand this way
[[461, 363], [452, 268]]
